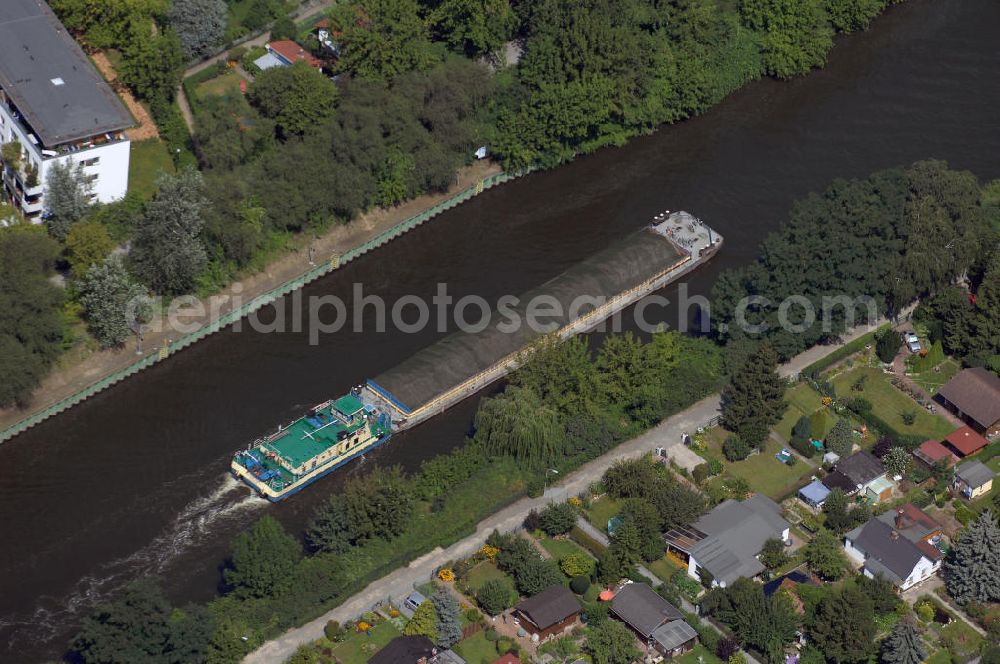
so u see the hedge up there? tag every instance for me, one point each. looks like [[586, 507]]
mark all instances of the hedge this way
[[846, 350], [578, 535]]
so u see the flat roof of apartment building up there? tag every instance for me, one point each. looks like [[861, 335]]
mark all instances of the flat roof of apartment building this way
[[50, 79]]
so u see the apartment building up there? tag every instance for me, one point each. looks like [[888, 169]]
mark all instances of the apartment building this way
[[55, 108]]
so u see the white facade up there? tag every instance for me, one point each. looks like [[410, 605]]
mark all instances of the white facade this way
[[105, 160], [922, 570]]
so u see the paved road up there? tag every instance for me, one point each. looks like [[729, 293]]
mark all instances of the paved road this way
[[400, 582]]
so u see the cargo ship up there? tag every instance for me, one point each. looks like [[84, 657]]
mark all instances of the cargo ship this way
[[329, 435]]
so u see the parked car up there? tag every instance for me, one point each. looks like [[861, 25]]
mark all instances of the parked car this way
[[912, 342]]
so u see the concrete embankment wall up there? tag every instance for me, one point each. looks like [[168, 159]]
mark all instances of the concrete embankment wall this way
[[229, 318]]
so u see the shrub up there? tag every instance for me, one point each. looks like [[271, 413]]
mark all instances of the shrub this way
[[803, 446], [887, 345], [700, 473], [714, 466], [491, 635], [532, 522], [909, 417], [925, 611], [577, 564], [735, 448], [495, 596], [558, 518], [579, 584], [859, 405], [333, 631]]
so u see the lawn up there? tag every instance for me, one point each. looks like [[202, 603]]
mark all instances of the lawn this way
[[889, 404], [147, 160], [663, 569], [763, 472], [560, 548], [602, 510], [698, 655], [357, 648], [965, 639], [933, 379], [476, 649], [481, 573], [220, 86]]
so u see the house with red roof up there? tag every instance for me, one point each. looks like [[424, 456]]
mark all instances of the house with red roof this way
[[965, 442], [507, 659], [932, 452]]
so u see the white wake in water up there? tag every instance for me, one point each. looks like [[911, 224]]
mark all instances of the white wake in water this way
[[229, 500]]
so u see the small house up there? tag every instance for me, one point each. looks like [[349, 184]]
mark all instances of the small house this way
[[723, 545], [550, 612], [790, 583], [965, 442], [902, 546], [932, 453], [974, 396], [814, 494], [655, 621], [507, 659], [860, 474], [285, 53], [973, 479]]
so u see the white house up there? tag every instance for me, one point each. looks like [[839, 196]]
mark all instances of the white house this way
[[900, 546], [56, 108], [724, 544]]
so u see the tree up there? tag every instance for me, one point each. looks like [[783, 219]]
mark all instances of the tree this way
[[610, 642], [766, 623], [262, 560], [516, 423], [141, 626], [200, 25], [283, 28], [897, 461], [474, 28], [853, 15], [844, 627], [735, 448], [449, 625], [630, 478], [495, 596], [558, 518], [107, 23], [903, 645], [378, 505], [577, 564], [423, 622], [330, 527], [972, 569], [67, 197], [753, 401], [825, 555], [840, 517], [112, 302], [773, 555], [887, 344], [536, 575], [881, 592], [381, 39], [167, 252], [795, 35], [152, 65], [840, 440], [297, 98], [87, 244], [31, 322], [304, 654]]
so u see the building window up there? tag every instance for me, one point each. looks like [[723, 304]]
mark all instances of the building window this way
[[93, 161]]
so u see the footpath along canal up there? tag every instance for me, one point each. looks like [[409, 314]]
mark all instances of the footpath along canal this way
[[133, 481]]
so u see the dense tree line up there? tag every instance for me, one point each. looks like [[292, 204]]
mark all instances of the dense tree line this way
[[894, 236]]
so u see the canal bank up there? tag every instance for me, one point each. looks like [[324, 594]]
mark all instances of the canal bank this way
[[133, 481], [77, 381]]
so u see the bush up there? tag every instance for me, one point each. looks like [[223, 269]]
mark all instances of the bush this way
[[859, 405], [578, 535], [909, 417], [803, 446], [532, 522], [333, 631], [558, 518], [577, 564], [736, 449], [714, 466], [887, 345], [579, 584], [700, 473], [535, 487], [964, 515], [495, 596]]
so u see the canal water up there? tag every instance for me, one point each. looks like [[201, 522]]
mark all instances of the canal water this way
[[134, 481]]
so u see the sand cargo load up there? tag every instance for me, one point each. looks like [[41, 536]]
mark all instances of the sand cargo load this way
[[462, 363]]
